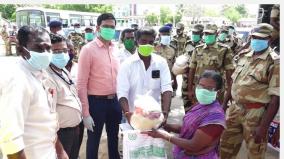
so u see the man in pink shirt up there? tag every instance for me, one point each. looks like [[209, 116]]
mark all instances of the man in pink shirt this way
[[97, 71]]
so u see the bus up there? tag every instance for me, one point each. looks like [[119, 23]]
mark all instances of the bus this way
[[37, 16]]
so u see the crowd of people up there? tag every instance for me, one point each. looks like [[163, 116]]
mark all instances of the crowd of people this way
[[62, 84]]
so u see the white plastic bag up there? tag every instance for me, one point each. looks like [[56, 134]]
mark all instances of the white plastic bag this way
[[180, 64], [147, 113], [142, 146]]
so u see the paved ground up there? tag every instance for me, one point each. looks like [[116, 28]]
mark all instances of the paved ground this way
[[175, 116]]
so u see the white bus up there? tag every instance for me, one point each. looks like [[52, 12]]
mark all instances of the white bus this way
[[41, 17]]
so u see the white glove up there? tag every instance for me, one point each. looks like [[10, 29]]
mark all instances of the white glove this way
[[89, 123]]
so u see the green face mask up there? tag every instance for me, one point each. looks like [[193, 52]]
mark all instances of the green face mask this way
[[205, 96], [210, 39], [145, 50], [195, 38], [129, 44], [89, 36], [107, 33], [222, 36]]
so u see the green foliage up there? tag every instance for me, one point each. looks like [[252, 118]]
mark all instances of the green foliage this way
[[242, 10], [8, 10], [211, 13], [98, 8], [152, 19], [232, 14]]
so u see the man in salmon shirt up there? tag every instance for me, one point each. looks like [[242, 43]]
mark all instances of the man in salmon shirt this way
[[97, 71]]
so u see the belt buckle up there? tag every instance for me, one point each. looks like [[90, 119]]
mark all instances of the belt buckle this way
[[110, 96]]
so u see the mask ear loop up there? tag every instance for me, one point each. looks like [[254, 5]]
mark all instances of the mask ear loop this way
[[28, 52]]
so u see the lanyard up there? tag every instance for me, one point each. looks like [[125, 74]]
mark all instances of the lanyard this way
[[70, 82]]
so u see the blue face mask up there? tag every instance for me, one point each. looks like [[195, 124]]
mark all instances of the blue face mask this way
[[165, 39], [38, 60], [60, 60], [258, 45]]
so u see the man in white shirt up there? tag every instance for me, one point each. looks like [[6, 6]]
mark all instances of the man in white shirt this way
[[144, 72], [127, 38], [28, 118]]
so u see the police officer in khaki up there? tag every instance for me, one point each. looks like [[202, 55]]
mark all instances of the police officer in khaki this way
[[210, 56], [179, 40], [77, 39], [229, 38], [255, 91], [164, 49], [5, 38], [196, 39]]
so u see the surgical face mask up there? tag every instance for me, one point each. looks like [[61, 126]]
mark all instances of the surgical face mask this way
[[258, 45], [89, 36], [38, 60], [231, 31], [205, 96], [129, 44], [61, 32], [222, 36], [107, 33], [145, 50], [78, 30], [210, 39], [195, 38], [60, 60], [165, 39]]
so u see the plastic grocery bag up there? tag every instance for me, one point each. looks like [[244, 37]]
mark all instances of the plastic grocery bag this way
[[147, 113], [181, 64], [142, 146]]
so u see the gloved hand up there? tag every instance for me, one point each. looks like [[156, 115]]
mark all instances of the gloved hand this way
[[89, 123]]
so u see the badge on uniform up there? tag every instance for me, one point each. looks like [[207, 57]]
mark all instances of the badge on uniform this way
[[156, 74]]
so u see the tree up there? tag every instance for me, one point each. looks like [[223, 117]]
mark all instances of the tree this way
[[152, 19], [242, 10], [232, 14], [208, 12], [7, 10], [98, 8], [166, 15]]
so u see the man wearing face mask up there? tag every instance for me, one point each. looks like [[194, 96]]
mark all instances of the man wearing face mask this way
[[28, 101], [210, 56], [228, 36], [97, 71], [255, 91], [127, 38], [166, 51], [55, 27], [179, 40], [77, 39], [89, 34], [144, 72], [196, 39], [68, 104]]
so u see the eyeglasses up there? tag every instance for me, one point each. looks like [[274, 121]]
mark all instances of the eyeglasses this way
[[202, 87]]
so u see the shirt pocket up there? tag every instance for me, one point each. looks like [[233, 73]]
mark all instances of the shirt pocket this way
[[155, 83], [214, 61]]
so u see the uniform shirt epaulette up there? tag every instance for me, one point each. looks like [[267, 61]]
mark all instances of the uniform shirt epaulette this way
[[201, 45], [223, 45], [275, 57], [171, 46]]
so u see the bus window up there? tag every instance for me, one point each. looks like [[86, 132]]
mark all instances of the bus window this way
[[52, 16], [22, 18], [65, 23], [37, 18], [74, 18]]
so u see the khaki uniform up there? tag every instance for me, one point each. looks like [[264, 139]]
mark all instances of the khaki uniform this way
[[217, 57], [168, 53], [254, 81], [178, 43], [275, 13], [234, 43], [78, 41], [190, 46], [5, 37]]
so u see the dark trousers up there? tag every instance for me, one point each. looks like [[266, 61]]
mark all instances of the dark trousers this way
[[69, 138], [104, 111]]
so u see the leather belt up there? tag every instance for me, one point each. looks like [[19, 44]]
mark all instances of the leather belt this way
[[111, 96]]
